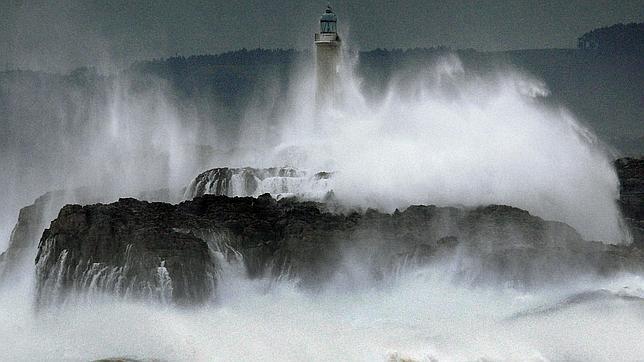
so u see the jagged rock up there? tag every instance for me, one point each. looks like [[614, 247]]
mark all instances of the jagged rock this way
[[277, 181], [16, 263], [631, 195], [290, 238], [418, 235], [125, 248], [32, 220]]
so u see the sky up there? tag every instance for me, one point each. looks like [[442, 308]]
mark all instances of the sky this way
[[64, 34]]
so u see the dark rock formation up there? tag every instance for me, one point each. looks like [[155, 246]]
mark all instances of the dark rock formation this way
[[631, 195], [16, 263], [24, 238], [130, 240], [296, 239], [125, 248]]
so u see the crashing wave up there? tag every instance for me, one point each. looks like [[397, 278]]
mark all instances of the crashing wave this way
[[280, 182]]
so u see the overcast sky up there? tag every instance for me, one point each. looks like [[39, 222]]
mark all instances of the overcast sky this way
[[64, 34]]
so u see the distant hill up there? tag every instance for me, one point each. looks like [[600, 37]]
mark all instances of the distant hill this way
[[618, 38]]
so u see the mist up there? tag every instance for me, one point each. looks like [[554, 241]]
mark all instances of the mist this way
[[446, 135], [442, 134], [112, 135], [418, 314]]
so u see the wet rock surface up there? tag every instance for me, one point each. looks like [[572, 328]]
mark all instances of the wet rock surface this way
[[631, 195], [16, 263], [302, 241], [125, 249], [32, 220]]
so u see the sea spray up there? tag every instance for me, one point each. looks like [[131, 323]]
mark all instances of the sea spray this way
[[451, 136]]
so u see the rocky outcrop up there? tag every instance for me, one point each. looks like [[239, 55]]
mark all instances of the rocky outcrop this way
[[277, 181], [119, 248], [125, 249], [24, 238], [16, 263], [631, 195], [301, 240]]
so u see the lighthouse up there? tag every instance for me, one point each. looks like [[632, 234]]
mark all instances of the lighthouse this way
[[327, 44]]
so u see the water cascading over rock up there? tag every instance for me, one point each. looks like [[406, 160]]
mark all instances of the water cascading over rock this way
[[123, 250], [277, 181], [16, 263]]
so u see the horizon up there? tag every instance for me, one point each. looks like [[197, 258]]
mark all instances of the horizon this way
[[9, 67]]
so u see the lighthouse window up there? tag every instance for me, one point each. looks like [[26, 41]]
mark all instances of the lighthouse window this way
[[327, 26]]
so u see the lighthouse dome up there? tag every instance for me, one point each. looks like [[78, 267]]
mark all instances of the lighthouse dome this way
[[328, 15], [328, 21]]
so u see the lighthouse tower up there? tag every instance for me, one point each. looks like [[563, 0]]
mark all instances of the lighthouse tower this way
[[327, 44]]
